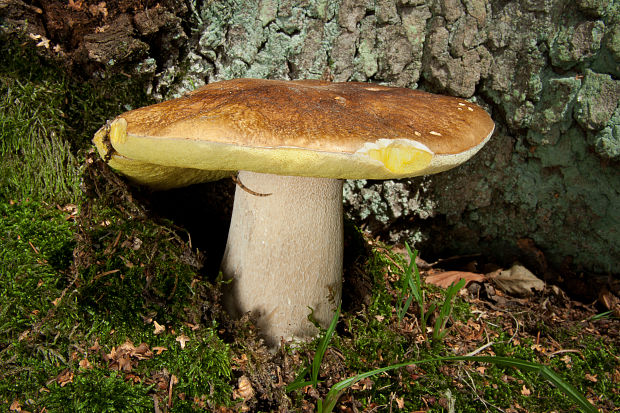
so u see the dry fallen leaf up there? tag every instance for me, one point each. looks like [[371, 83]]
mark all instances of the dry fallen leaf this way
[[240, 361], [75, 5], [610, 301], [193, 327], [133, 378], [102, 28], [444, 279], [43, 41], [400, 402], [124, 363], [126, 356], [158, 328], [182, 339], [15, 406], [517, 280], [200, 401], [173, 380], [85, 364], [567, 360], [364, 384], [244, 389], [142, 352], [591, 377], [159, 349], [525, 391], [64, 378], [98, 9], [95, 347], [616, 376]]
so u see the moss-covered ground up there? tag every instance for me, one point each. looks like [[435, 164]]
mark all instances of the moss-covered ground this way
[[106, 307]]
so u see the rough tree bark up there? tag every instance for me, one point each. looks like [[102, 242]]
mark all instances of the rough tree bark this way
[[547, 71]]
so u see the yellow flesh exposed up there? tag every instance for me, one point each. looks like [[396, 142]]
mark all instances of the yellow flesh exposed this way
[[400, 158]]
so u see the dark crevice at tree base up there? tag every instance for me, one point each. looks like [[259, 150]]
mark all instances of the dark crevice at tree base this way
[[487, 256]]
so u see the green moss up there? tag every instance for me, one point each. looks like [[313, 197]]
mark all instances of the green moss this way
[[587, 366], [137, 270], [202, 368], [98, 390], [73, 292], [46, 116], [37, 243], [56, 312], [36, 161]]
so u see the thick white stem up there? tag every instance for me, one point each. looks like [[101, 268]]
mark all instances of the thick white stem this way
[[284, 253]]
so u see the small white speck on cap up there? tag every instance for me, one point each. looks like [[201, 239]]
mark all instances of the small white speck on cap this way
[[435, 133]]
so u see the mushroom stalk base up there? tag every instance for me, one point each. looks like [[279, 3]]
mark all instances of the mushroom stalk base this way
[[284, 253]]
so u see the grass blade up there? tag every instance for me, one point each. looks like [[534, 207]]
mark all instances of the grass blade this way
[[415, 284], [544, 371], [336, 391], [320, 351], [439, 332], [300, 381], [405, 284], [403, 310]]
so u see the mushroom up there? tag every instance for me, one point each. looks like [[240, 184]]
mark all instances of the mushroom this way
[[292, 143]]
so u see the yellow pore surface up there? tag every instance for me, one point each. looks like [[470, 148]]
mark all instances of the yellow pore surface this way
[[172, 162]]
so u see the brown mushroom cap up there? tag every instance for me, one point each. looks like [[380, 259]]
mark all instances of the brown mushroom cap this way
[[305, 128]]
